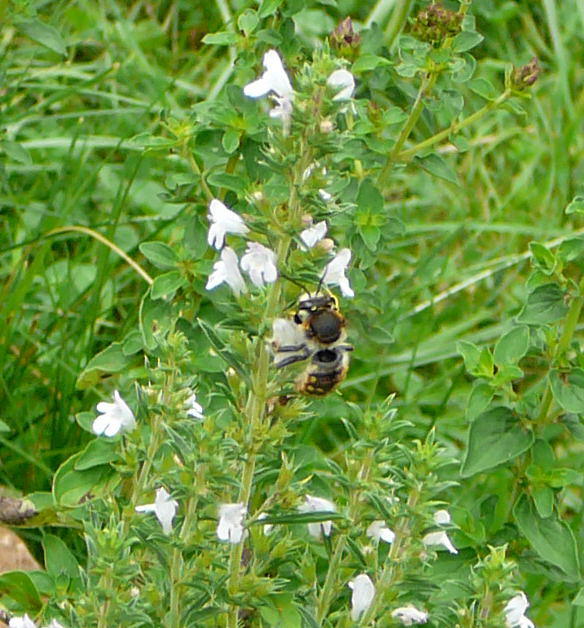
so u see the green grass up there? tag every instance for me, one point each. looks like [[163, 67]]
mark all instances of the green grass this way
[[79, 151]]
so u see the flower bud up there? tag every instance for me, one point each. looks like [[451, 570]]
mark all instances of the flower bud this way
[[436, 23], [344, 39], [326, 126], [326, 245], [526, 75]]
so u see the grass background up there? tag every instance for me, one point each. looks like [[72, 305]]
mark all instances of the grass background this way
[[74, 128]]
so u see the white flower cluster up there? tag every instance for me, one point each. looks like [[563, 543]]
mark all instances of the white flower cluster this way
[[258, 261], [117, 417], [275, 81]]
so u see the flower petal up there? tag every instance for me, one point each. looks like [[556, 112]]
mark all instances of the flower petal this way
[[363, 594]]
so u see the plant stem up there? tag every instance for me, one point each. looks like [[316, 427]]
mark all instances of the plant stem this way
[[256, 403], [426, 87], [454, 128], [330, 581], [392, 567]]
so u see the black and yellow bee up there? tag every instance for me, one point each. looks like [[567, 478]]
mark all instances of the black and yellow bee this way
[[317, 333]]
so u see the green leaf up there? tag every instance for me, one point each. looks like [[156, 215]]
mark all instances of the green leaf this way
[[110, 360], [227, 181], [466, 40], [167, 284], [368, 62], [550, 538], [495, 437], [543, 499], [268, 7], [436, 165], [478, 362], [543, 258], [248, 21], [280, 610], [568, 389], [463, 67], [155, 318], [18, 586], [544, 305], [576, 206], [43, 34], [483, 88], [479, 399], [59, 558], [572, 249], [99, 451], [369, 197], [513, 106], [300, 517], [222, 38], [371, 236], [16, 152], [230, 140], [72, 487], [159, 254], [4, 427], [512, 346], [574, 424]]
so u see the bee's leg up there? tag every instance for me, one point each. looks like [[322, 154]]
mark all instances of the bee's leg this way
[[301, 353], [292, 348]]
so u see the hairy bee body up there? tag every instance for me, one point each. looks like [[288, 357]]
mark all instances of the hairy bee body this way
[[321, 319], [327, 369], [316, 333]]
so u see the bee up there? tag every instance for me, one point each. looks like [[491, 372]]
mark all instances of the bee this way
[[316, 332], [327, 369], [321, 319]]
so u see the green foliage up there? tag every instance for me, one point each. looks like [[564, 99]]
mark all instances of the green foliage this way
[[455, 162]]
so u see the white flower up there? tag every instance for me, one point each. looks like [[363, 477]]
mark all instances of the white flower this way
[[230, 527], [282, 110], [363, 594], [223, 220], [259, 263], [409, 615], [379, 531], [318, 504], [114, 417], [313, 234], [441, 517], [274, 79], [194, 409], [515, 612], [227, 270], [55, 624], [326, 196], [334, 273], [22, 622], [163, 507], [343, 82]]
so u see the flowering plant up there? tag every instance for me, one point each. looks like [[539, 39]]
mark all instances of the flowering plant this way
[[269, 458]]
